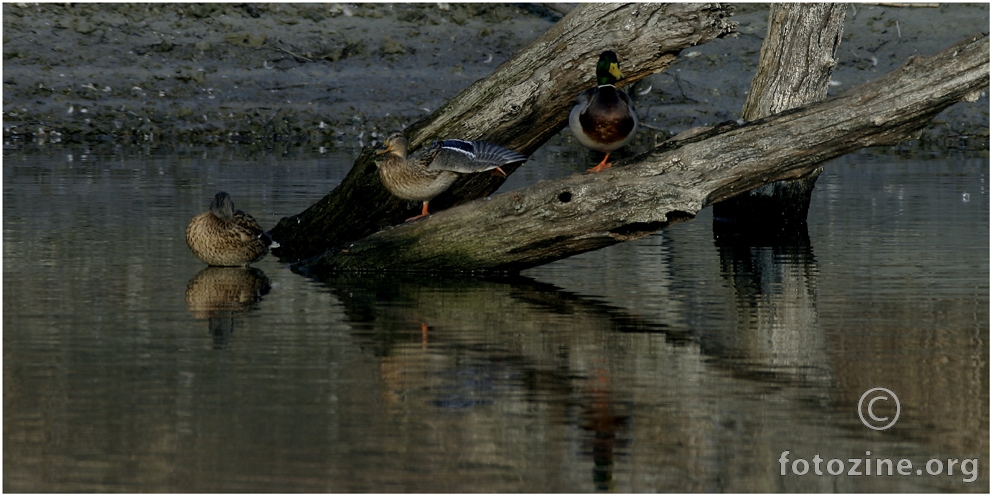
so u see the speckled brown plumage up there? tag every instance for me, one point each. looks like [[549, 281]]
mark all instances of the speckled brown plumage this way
[[216, 290], [429, 173], [226, 237]]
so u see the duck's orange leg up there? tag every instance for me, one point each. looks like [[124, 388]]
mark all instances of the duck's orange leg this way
[[423, 213], [602, 165]]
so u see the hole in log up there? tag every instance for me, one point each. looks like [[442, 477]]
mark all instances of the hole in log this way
[[565, 196]]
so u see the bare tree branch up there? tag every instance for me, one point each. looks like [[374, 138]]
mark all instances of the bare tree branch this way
[[520, 106], [556, 219]]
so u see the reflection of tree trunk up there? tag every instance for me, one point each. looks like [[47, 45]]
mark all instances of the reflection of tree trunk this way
[[556, 219], [387, 319], [778, 326], [797, 59], [775, 286], [522, 104]]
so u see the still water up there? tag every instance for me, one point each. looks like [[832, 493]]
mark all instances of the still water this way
[[672, 363]]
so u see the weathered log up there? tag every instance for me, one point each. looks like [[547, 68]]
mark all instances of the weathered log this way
[[797, 59], [522, 104], [556, 219]]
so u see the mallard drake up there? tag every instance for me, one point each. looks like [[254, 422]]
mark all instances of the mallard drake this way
[[428, 173], [603, 118], [226, 237]]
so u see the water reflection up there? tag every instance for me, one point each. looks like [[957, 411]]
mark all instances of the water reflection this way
[[606, 420], [220, 294], [671, 363], [465, 343], [773, 279]]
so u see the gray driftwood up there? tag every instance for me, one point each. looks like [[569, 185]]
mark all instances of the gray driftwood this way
[[522, 104], [794, 68], [556, 219]]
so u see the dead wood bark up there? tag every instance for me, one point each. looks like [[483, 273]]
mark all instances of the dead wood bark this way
[[794, 69], [556, 219], [797, 58], [520, 106]]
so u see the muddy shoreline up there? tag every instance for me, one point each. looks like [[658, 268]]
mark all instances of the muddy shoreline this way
[[342, 75]]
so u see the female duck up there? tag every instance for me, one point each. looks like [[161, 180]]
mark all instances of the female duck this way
[[225, 236], [430, 172], [603, 118]]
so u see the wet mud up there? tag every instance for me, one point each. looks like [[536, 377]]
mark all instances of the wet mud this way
[[347, 74]]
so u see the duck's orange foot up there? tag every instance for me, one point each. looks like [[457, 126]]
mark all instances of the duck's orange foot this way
[[423, 213], [602, 165]]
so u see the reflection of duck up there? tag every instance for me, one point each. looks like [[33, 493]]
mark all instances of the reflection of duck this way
[[226, 237], [603, 118], [218, 294], [225, 289], [428, 173], [608, 420]]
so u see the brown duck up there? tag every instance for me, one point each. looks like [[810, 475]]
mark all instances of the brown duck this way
[[226, 237], [428, 173]]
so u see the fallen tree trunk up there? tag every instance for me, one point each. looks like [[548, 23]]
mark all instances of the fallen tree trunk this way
[[556, 219], [522, 104]]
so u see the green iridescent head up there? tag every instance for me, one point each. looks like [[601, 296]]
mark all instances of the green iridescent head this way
[[608, 69]]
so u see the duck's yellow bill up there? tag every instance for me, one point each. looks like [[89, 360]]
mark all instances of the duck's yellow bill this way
[[615, 70]]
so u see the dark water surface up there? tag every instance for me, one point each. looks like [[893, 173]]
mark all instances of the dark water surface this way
[[672, 363]]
